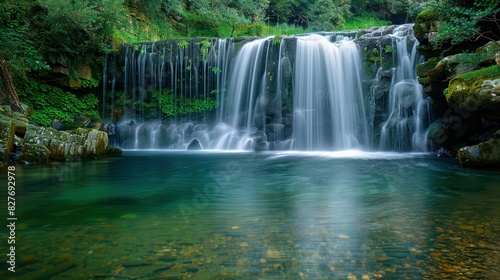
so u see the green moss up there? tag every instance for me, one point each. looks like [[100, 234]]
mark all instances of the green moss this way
[[424, 23], [426, 15], [483, 74], [112, 151], [353, 23], [424, 68], [462, 89]]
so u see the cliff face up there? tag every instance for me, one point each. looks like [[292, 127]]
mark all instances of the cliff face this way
[[464, 82]]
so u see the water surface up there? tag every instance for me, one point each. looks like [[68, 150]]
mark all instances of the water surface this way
[[241, 215]]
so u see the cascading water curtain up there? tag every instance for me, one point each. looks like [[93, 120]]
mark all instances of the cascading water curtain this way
[[329, 112], [409, 112]]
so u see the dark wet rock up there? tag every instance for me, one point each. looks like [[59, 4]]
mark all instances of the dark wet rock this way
[[78, 122], [438, 134], [260, 145], [442, 152], [58, 125], [481, 155], [112, 151], [194, 145]]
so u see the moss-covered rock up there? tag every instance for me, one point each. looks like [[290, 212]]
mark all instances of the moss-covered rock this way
[[476, 93], [66, 146], [422, 71], [95, 143], [62, 145], [7, 130], [112, 151], [488, 52], [21, 123], [482, 155], [35, 153], [426, 25], [42, 144]]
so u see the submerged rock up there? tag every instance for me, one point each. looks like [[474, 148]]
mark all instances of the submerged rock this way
[[481, 155], [442, 152], [194, 145]]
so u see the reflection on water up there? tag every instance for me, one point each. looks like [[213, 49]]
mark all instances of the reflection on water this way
[[179, 215]]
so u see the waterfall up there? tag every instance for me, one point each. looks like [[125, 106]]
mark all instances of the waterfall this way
[[329, 113], [303, 92], [237, 121], [409, 113]]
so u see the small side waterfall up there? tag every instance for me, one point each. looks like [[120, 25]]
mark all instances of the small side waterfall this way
[[409, 113], [163, 84], [246, 88], [329, 111]]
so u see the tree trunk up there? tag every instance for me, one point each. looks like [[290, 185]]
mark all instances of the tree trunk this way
[[497, 59], [11, 95]]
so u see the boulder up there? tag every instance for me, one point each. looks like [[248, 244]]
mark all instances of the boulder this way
[[437, 133], [194, 145], [20, 119], [62, 145], [35, 153], [95, 143], [485, 154], [112, 151], [66, 146], [476, 93]]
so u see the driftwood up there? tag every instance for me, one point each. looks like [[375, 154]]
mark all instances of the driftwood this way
[[10, 91]]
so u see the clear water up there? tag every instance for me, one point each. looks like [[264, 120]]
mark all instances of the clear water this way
[[241, 215]]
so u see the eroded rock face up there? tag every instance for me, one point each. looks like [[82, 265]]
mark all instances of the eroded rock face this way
[[61, 145], [36, 153], [94, 144], [484, 154], [43, 144]]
